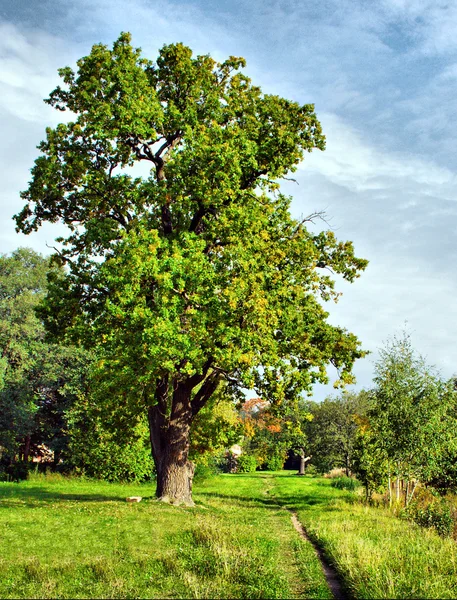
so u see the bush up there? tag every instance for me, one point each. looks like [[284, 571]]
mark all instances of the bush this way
[[437, 514], [103, 448], [246, 464], [209, 468], [16, 471], [274, 463], [345, 483], [312, 471]]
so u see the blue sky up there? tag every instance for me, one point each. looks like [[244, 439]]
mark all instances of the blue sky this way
[[383, 77]]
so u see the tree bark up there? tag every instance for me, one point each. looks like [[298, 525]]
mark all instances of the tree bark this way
[[170, 419], [169, 436], [303, 461]]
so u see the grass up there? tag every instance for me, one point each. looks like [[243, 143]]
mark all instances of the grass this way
[[72, 538], [378, 555]]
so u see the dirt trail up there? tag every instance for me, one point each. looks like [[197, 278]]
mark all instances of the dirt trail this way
[[330, 573]]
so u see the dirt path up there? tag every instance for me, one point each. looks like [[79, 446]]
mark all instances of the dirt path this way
[[330, 573]]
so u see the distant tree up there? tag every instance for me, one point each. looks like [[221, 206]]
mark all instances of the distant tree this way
[[332, 432], [265, 434], [39, 380], [195, 272]]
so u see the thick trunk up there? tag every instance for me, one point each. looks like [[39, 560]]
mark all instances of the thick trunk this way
[[170, 419], [170, 448], [174, 483]]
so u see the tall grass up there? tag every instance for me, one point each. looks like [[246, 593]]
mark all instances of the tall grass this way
[[378, 555]]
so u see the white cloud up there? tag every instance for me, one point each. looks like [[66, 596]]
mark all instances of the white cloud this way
[[384, 80], [352, 162], [29, 62]]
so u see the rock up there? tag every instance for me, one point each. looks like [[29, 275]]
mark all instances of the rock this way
[[134, 499]]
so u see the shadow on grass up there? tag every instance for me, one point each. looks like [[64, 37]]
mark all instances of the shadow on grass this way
[[30, 496], [301, 501]]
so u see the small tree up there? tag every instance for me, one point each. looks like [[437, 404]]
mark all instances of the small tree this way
[[195, 271], [413, 417]]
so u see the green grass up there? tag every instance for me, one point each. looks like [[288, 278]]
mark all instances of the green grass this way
[[75, 538], [378, 555], [72, 538]]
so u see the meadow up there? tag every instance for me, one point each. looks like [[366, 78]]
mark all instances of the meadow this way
[[63, 537]]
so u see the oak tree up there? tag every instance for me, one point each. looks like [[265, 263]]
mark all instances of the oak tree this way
[[183, 264]]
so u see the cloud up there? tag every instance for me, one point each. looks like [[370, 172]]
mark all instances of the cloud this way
[[384, 79], [353, 162], [400, 211], [30, 59]]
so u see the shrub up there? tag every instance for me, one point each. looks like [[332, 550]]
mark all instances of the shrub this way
[[246, 464], [15, 471], [437, 514], [210, 467], [312, 471], [345, 483], [274, 463]]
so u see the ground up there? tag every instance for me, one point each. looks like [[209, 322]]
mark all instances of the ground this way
[[75, 538]]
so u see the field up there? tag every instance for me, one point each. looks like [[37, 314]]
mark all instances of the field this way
[[79, 538]]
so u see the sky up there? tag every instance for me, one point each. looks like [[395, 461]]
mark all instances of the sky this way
[[383, 77]]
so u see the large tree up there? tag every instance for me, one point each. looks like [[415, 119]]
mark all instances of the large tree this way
[[183, 264]]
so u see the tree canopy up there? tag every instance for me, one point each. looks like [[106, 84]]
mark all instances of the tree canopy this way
[[39, 380], [183, 264]]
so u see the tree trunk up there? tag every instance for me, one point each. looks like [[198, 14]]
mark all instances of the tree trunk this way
[[170, 447], [301, 470], [303, 460], [26, 454]]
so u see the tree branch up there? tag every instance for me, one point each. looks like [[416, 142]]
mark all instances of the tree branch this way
[[205, 392]]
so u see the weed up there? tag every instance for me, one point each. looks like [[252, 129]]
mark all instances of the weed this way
[[345, 483]]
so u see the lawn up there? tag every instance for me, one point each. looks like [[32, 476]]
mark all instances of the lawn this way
[[74, 538], [377, 554], [78, 538]]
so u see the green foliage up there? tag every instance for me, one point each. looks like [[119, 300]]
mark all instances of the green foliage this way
[[103, 449], [215, 428], [196, 272], [345, 483], [332, 431], [40, 380], [311, 470], [211, 467], [437, 514], [275, 462], [246, 464], [411, 428]]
